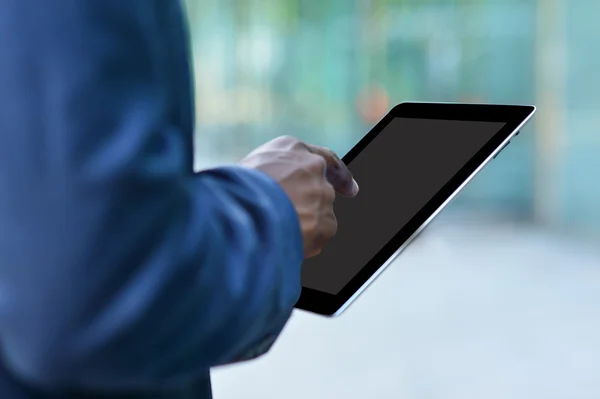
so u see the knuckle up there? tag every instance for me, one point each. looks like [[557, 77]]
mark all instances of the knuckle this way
[[329, 152], [333, 156], [292, 143], [329, 193], [329, 232], [287, 140], [334, 224], [321, 229], [311, 231], [318, 162]]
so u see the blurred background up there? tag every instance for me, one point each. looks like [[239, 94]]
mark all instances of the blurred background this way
[[500, 298]]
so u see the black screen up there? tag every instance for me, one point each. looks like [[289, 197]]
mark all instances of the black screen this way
[[398, 173]]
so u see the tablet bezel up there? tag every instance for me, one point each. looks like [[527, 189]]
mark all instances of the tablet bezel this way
[[513, 117]]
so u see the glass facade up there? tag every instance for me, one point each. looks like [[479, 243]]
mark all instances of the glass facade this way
[[327, 71]]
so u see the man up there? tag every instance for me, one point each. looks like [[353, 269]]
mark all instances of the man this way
[[122, 273]]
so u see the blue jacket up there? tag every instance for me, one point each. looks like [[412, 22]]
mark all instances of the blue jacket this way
[[122, 273]]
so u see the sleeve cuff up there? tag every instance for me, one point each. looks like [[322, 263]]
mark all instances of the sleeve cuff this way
[[281, 201]]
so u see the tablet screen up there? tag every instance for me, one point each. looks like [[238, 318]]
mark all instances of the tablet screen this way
[[398, 173]]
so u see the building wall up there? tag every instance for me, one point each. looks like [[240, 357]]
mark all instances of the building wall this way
[[266, 68]]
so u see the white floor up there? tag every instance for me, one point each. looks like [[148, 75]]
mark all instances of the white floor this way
[[470, 310]]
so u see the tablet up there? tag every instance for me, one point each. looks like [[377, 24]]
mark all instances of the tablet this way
[[408, 167]]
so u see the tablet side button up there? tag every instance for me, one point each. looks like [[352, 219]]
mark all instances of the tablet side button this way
[[502, 149]]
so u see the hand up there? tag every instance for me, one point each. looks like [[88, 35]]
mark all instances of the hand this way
[[310, 176]]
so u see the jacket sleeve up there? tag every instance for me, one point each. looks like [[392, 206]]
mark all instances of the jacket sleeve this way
[[120, 268]]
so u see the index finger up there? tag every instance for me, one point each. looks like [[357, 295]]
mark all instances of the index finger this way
[[338, 173]]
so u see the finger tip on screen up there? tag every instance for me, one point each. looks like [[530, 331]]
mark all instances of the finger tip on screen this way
[[349, 192], [355, 188]]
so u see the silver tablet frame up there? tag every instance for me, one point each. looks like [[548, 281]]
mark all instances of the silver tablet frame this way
[[433, 215]]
